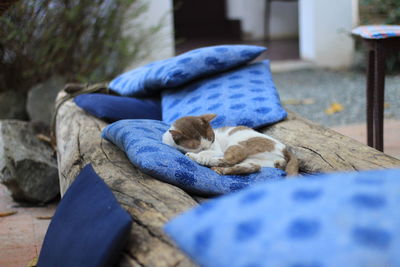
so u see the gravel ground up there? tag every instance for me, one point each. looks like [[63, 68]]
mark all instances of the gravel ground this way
[[310, 92]]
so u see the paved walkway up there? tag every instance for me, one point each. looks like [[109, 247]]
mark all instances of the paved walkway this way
[[310, 92]]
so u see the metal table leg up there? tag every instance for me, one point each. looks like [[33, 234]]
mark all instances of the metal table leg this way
[[379, 89], [370, 97], [378, 50]]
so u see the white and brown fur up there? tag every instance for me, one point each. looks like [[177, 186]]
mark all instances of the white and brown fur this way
[[228, 150]]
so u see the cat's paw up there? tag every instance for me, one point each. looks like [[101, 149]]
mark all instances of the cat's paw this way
[[222, 163], [219, 170], [191, 155], [280, 164]]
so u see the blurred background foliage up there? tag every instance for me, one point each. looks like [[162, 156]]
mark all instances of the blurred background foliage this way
[[382, 12], [379, 11], [82, 40]]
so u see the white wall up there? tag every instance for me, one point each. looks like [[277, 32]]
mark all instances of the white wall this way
[[307, 29], [251, 14], [161, 44], [325, 27], [284, 18]]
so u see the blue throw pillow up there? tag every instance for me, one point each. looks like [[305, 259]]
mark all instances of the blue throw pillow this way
[[154, 77], [141, 141], [244, 96], [341, 219], [89, 227], [113, 108]]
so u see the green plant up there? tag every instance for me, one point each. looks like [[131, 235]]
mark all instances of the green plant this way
[[380, 11], [83, 40]]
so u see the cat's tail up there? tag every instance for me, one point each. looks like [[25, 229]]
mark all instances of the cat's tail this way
[[292, 166]]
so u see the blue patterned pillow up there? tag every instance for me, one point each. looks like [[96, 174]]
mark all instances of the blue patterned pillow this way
[[141, 141], [154, 77], [244, 96], [113, 108], [342, 219]]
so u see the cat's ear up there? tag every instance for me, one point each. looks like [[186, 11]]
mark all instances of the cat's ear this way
[[208, 117], [176, 135]]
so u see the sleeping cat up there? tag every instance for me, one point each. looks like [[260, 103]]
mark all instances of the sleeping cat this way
[[228, 150]]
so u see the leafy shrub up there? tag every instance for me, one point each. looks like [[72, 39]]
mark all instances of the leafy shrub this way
[[380, 11], [82, 40]]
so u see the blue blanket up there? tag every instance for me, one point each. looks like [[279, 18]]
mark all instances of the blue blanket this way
[[141, 141], [244, 95]]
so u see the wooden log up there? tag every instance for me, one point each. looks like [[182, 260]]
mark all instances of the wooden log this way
[[320, 149], [152, 203]]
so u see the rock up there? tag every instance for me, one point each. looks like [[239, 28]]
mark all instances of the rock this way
[[12, 105], [41, 97], [27, 165]]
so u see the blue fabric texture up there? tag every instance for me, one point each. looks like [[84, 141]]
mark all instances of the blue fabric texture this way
[[113, 108], [142, 142], [341, 219], [89, 228], [154, 77], [243, 96]]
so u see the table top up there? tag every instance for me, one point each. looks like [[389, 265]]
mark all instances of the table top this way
[[377, 31]]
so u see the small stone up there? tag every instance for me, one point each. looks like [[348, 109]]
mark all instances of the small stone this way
[[41, 98], [27, 165]]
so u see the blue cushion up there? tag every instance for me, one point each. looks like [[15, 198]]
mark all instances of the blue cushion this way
[[113, 108], [244, 96], [141, 141], [154, 77], [341, 219], [89, 228]]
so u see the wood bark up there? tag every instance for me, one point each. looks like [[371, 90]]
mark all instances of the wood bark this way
[[320, 149], [152, 203]]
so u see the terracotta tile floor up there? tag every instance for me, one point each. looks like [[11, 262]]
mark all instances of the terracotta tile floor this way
[[21, 234], [391, 135]]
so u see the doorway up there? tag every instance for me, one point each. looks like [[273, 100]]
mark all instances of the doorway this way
[[213, 22]]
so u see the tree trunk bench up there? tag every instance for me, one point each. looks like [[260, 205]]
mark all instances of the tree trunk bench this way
[[152, 203]]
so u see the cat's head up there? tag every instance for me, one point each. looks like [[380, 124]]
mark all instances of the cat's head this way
[[191, 133]]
